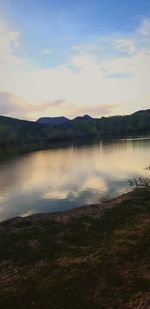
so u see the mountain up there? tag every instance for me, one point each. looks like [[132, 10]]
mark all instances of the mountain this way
[[145, 112], [85, 117], [53, 120], [21, 132], [61, 120]]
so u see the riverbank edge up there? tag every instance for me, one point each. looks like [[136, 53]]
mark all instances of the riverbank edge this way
[[93, 210]]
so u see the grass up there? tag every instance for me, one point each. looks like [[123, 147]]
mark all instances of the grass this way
[[85, 262]]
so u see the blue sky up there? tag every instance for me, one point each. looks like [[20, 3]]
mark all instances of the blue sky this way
[[75, 42], [58, 25]]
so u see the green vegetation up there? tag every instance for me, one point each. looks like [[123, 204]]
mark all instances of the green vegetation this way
[[19, 132], [88, 258]]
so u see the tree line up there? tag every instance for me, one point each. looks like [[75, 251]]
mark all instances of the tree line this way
[[19, 132]]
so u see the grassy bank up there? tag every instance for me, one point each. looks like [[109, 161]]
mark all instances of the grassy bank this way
[[94, 257]]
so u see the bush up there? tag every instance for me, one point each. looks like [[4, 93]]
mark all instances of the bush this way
[[140, 182]]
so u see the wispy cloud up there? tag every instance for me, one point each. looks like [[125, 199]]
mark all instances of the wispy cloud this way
[[144, 28], [15, 106], [125, 45], [9, 44], [46, 51]]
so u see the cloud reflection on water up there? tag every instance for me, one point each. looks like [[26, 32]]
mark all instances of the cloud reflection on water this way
[[59, 179]]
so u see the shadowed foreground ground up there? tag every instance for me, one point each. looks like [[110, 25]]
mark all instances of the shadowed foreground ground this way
[[94, 257]]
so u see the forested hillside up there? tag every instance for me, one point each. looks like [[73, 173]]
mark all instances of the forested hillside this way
[[13, 131]]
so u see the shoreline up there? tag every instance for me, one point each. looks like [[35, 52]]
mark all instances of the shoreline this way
[[93, 210]]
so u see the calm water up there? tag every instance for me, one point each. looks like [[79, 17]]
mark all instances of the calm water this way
[[52, 180]]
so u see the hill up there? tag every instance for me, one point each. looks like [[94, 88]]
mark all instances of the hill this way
[[85, 117], [53, 120], [20, 132], [142, 112]]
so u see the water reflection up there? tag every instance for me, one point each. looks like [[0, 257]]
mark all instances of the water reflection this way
[[58, 179]]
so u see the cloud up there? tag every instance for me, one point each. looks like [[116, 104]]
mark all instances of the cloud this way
[[9, 44], [144, 28], [46, 51], [11, 105], [87, 47], [125, 45], [56, 103], [14, 106], [105, 77]]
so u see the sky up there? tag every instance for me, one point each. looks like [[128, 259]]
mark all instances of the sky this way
[[69, 58]]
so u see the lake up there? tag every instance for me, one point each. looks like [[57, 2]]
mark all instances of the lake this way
[[59, 179]]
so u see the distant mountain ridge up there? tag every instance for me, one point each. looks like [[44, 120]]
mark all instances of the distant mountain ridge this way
[[53, 120], [85, 117], [60, 120], [48, 130]]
